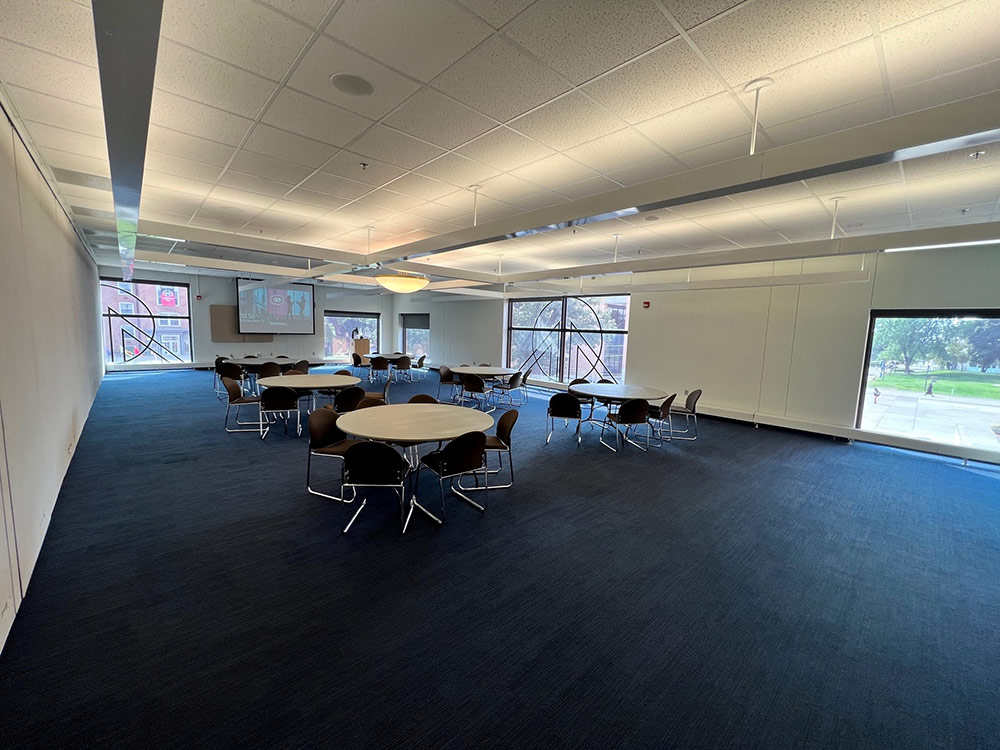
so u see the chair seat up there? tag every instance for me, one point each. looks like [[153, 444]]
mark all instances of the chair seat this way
[[614, 418], [433, 461], [680, 410], [246, 400], [337, 449], [501, 386], [493, 443], [374, 394]]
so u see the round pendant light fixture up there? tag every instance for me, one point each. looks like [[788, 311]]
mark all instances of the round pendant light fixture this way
[[402, 283]]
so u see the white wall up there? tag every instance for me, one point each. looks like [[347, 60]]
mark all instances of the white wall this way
[[461, 330], [791, 354], [50, 340]]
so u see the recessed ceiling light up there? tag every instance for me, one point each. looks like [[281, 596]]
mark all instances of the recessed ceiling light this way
[[651, 218], [977, 155], [352, 85]]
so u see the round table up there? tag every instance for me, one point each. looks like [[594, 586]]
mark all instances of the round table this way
[[256, 362], [390, 357], [615, 393], [484, 371], [413, 423], [309, 382]]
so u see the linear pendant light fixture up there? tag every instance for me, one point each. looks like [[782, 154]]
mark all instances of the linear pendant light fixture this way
[[939, 247]]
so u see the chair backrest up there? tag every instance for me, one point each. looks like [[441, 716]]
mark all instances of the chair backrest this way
[[564, 406], [229, 370], [348, 399], [447, 376], [605, 381], [232, 388], [379, 363], [423, 398], [343, 372], [505, 425], [692, 400], [397, 352], [473, 384], [279, 399], [295, 372], [528, 375], [302, 366], [250, 356], [515, 380], [376, 464], [385, 391], [282, 356], [219, 361], [664, 406], [269, 370], [356, 359], [420, 362], [369, 401], [633, 411], [485, 364], [578, 381], [323, 430], [403, 363], [465, 453]]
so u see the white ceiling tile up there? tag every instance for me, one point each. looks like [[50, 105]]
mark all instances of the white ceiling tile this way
[[568, 121], [609, 153], [588, 187], [645, 171], [253, 184], [496, 12], [958, 190], [511, 189], [178, 113], [761, 37], [418, 186], [830, 121], [188, 146], [894, 12], [959, 37], [421, 37], [278, 170], [716, 152], [947, 88], [370, 212], [434, 117], [975, 212], [48, 74], [711, 120], [710, 207], [175, 165], [671, 77], [225, 29], [77, 162], [462, 200], [862, 205], [309, 198], [769, 195], [301, 207], [386, 144], [273, 224], [504, 149], [240, 197], [48, 136], [393, 200], [554, 171], [951, 162], [175, 183], [880, 174], [336, 185], [153, 213], [457, 170], [171, 200], [348, 164], [438, 211], [328, 57], [61, 113], [611, 32], [53, 26], [500, 80], [310, 12], [690, 13], [185, 72], [315, 118], [286, 146], [693, 235], [742, 228]]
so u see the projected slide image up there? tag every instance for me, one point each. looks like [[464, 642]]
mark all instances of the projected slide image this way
[[276, 309]]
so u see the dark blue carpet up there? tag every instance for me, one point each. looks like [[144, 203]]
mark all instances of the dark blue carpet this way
[[754, 589]]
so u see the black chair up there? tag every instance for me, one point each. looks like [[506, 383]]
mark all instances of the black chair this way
[[402, 368], [237, 399], [584, 400], [367, 402], [419, 369], [377, 365], [690, 413], [630, 415], [332, 392], [383, 394], [368, 464], [423, 398], [660, 413], [474, 388], [448, 378], [325, 439], [466, 454], [268, 370], [216, 383], [280, 402], [564, 406], [524, 386], [231, 371], [302, 366], [348, 399], [358, 364], [499, 444], [504, 392]]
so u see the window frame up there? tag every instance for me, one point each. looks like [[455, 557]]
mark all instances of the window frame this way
[[134, 317], [354, 314]]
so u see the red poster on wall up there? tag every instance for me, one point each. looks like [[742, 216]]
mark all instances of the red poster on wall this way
[[168, 297]]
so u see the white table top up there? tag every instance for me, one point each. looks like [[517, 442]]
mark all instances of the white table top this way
[[258, 361], [413, 423], [616, 392], [308, 382], [390, 357], [483, 371]]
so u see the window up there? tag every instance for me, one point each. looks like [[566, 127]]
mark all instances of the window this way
[[135, 316], [565, 338], [416, 333], [934, 376], [338, 327]]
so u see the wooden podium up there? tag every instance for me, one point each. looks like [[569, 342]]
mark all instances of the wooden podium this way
[[361, 347]]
